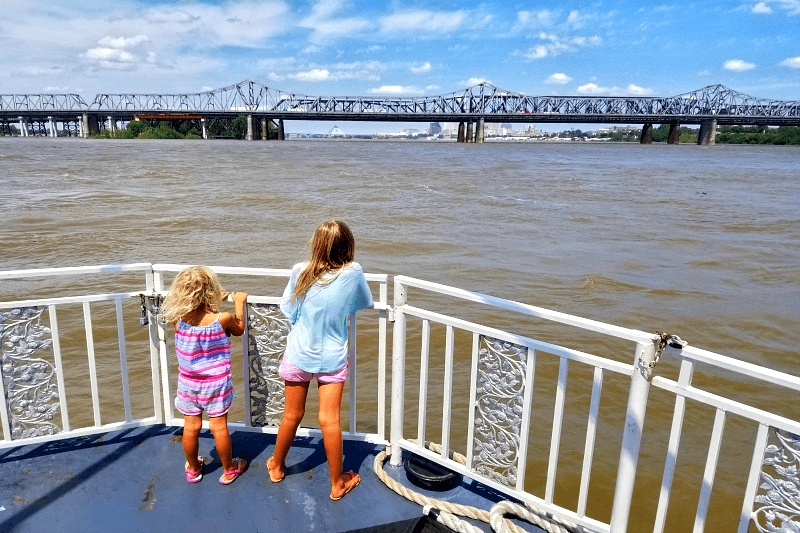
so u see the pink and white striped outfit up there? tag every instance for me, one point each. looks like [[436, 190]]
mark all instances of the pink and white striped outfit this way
[[204, 363]]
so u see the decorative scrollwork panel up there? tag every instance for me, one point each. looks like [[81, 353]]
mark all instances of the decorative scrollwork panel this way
[[499, 409], [779, 492], [267, 331], [30, 382]]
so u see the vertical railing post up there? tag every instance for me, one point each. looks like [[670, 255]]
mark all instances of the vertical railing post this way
[[398, 374], [382, 327], [154, 355], [632, 436]]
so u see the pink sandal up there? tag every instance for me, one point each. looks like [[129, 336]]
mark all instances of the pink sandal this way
[[241, 466], [194, 477]]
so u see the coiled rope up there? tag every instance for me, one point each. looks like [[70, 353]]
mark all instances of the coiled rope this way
[[445, 512]]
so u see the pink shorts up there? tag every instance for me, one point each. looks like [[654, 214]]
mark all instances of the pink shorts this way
[[289, 372]]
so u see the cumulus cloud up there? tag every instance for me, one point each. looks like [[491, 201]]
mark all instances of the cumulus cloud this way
[[738, 65], [761, 7], [123, 42], [530, 19], [553, 45], [592, 89], [559, 78], [397, 90], [475, 81], [423, 22], [313, 75], [421, 69], [112, 58], [791, 62]]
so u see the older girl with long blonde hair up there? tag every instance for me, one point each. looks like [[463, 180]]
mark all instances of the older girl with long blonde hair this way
[[319, 297]]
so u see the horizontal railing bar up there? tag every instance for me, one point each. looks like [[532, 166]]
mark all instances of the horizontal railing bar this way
[[539, 312], [69, 271], [731, 406], [81, 432], [246, 271], [560, 351], [69, 300], [740, 367], [594, 525]]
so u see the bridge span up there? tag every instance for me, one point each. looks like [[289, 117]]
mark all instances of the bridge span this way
[[471, 109]]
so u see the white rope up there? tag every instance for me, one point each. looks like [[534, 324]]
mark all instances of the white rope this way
[[495, 517]]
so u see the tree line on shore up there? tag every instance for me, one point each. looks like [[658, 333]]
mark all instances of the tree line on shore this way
[[237, 129]]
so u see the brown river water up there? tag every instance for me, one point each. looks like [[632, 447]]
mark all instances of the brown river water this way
[[703, 242]]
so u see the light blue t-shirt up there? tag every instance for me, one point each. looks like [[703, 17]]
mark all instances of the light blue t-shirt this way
[[318, 340]]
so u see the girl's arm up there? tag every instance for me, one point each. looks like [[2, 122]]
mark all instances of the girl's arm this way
[[234, 324]]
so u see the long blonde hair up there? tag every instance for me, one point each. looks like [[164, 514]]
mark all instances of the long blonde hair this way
[[193, 288], [333, 247]]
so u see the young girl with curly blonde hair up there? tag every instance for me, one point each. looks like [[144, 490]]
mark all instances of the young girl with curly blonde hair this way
[[203, 348]]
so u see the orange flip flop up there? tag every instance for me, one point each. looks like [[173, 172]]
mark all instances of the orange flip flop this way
[[353, 476]]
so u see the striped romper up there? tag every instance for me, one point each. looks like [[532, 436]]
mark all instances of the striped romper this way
[[204, 363]]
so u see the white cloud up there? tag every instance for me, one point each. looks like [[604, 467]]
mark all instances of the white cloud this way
[[476, 81], [537, 52], [558, 77], [313, 75], [791, 62], [397, 90], [327, 24], [738, 65], [792, 6], [421, 69], [432, 88], [635, 90], [122, 42], [530, 19], [112, 58], [592, 89], [761, 7], [423, 22]]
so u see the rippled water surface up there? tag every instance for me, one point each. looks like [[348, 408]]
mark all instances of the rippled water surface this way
[[699, 241]]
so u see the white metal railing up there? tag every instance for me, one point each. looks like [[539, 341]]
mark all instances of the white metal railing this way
[[33, 390], [34, 387], [639, 373]]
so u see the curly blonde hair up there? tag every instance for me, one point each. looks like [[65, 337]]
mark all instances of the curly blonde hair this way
[[193, 288]]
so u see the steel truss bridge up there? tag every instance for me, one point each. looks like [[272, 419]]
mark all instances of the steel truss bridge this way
[[482, 102]]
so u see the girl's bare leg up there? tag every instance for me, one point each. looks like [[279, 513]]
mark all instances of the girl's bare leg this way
[[222, 440], [330, 403], [192, 424], [295, 393]]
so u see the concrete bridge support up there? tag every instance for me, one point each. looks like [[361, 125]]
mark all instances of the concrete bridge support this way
[[111, 124], [674, 133], [708, 133], [647, 134], [204, 128], [52, 124], [23, 127], [264, 129], [281, 132], [462, 132], [249, 128], [479, 131], [470, 135]]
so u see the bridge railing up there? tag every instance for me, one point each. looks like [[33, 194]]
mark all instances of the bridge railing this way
[[496, 416]]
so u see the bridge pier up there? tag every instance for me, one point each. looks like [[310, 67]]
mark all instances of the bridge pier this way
[[281, 133], [647, 134], [479, 131], [249, 128], [111, 124], [23, 127], [470, 135], [674, 133], [461, 133], [204, 128], [708, 133], [53, 132]]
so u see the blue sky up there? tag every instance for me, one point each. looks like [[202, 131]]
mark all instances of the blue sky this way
[[412, 48]]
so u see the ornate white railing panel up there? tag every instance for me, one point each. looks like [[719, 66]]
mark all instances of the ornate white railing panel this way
[[502, 383]]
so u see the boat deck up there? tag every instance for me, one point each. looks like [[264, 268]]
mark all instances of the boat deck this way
[[133, 481]]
